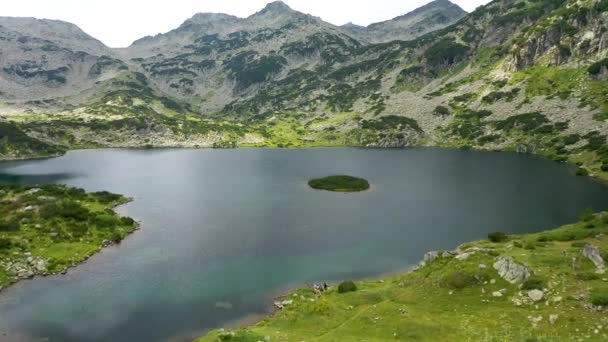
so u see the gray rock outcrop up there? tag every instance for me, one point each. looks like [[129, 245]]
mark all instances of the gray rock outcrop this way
[[593, 253], [511, 271]]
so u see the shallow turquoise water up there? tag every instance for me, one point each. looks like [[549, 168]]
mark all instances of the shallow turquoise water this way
[[224, 230]]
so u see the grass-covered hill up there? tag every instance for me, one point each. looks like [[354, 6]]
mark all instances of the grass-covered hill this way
[[549, 286]]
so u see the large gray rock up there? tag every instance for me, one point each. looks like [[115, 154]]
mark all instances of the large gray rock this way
[[511, 271], [536, 295], [431, 256], [593, 253]]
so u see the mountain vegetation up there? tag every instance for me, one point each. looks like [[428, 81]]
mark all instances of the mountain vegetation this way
[[522, 75]]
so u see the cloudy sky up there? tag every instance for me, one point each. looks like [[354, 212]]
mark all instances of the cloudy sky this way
[[119, 22]]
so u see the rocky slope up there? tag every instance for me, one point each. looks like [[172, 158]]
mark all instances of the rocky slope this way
[[43, 60], [428, 18], [525, 75]]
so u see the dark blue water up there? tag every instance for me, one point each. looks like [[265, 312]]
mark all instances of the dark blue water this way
[[224, 230]]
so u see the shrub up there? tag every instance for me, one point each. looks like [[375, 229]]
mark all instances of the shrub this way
[[127, 221], [105, 221], [116, 237], [599, 298], [458, 280], [66, 209], [441, 111], [587, 276], [533, 283], [587, 215], [5, 243], [597, 67], [347, 286], [9, 226], [106, 197], [498, 237], [543, 238]]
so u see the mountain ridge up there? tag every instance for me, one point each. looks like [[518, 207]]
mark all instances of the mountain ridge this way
[[514, 74]]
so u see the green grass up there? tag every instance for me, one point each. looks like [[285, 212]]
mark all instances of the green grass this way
[[550, 81], [340, 184], [60, 225], [452, 300]]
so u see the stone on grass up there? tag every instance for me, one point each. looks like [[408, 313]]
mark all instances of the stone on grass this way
[[553, 319], [511, 271], [536, 295], [431, 256], [593, 253]]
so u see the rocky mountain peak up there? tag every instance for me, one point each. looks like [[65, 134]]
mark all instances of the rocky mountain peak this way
[[276, 7], [204, 18], [60, 32]]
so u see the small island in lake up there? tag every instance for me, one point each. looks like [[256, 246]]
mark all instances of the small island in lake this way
[[340, 184]]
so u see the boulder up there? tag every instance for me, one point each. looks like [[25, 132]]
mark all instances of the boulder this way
[[593, 253], [553, 319], [431, 256], [536, 295], [511, 271], [464, 256]]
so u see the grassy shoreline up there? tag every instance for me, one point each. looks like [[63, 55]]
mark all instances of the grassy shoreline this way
[[48, 229], [334, 315], [460, 296]]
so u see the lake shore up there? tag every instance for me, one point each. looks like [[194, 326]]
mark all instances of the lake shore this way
[[291, 182], [45, 261], [389, 307]]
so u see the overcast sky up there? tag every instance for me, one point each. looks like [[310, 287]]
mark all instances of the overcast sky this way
[[118, 23]]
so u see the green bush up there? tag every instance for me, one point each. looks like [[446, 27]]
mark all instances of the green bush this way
[[5, 243], [543, 238], [347, 286], [587, 215], [106, 197], [498, 237], [127, 221], [116, 237], [587, 276], [599, 298], [597, 67], [458, 280], [533, 283], [9, 226], [441, 111], [105, 221], [66, 209]]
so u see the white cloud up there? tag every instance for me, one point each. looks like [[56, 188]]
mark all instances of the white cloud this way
[[119, 22]]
